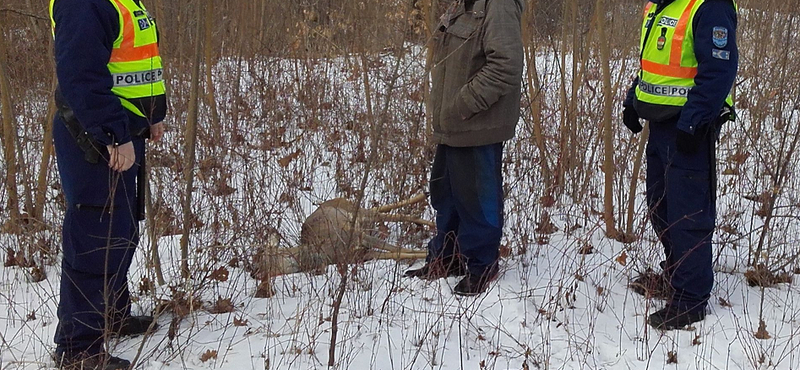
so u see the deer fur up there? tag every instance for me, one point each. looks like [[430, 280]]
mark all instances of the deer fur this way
[[339, 232]]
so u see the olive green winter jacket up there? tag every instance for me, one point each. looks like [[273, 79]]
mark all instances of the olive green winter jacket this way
[[477, 73]]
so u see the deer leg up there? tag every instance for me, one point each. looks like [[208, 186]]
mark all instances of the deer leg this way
[[379, 249], [372, 242], [390, 207], [380, 255]]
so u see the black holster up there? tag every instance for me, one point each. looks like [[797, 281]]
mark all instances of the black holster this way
[[87, 144], [141, 177]]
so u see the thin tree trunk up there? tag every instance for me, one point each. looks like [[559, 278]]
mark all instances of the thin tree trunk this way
[[23, 171], [572, 161], [44, 165], [210, 94], [608, 127], [431, 9], [343, 271], [637, 168], [153, 230], [159, 6], [535, 96], [262, 22], [160, 15], [9, 135], [376, 125], [785, 152], [563, 136], [154, 234], [37, 33], [191, 144]]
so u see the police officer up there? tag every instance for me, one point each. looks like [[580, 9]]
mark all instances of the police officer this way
[[110, 95], [689, 61], [475, 101]]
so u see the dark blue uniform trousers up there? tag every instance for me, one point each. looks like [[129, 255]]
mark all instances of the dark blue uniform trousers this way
[[681, 195], [467, 193], [100, 235]]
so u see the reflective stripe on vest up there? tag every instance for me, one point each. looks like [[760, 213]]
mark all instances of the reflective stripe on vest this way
[[135, 64], [668, 63]]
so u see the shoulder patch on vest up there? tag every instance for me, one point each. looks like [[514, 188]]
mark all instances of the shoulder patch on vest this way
[[721, 54], [144, 23], [720, 37]]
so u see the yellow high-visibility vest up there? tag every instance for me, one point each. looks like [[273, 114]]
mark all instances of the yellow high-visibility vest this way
[[135, 63], [668, 61]]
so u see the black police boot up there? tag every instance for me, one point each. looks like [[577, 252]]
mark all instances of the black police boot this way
[[84, 361], [136, 325], [438, 269], [671, 318]]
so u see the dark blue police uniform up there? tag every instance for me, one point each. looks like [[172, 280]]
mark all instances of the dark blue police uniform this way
[[681, 170], [100, 230]]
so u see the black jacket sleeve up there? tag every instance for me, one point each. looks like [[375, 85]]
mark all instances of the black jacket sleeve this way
[[718, 61], [631, 95], [84, 38]]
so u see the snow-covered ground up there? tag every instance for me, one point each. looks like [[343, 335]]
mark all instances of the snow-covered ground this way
[[553, 309]]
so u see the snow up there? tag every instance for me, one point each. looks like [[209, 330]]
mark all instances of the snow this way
[[538, 314]]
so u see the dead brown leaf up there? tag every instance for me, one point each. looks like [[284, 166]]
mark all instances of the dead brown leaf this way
[[672, 357], [546, 225], [37, 274], [222, 305], [505, 251], [264, 289], [146, 286], [762, 276], [284, 162], [210, 354], [762, 332], [240, 322], [623, 259], [586, 249], [547, 201], [221, 274]]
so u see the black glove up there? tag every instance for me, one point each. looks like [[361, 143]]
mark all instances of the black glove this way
[[631, 119], [688, 143]]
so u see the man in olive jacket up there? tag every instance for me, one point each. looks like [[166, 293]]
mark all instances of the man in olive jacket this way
[[475, 102]]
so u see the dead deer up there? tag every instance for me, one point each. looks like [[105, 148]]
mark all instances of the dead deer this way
[[340, 232]]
